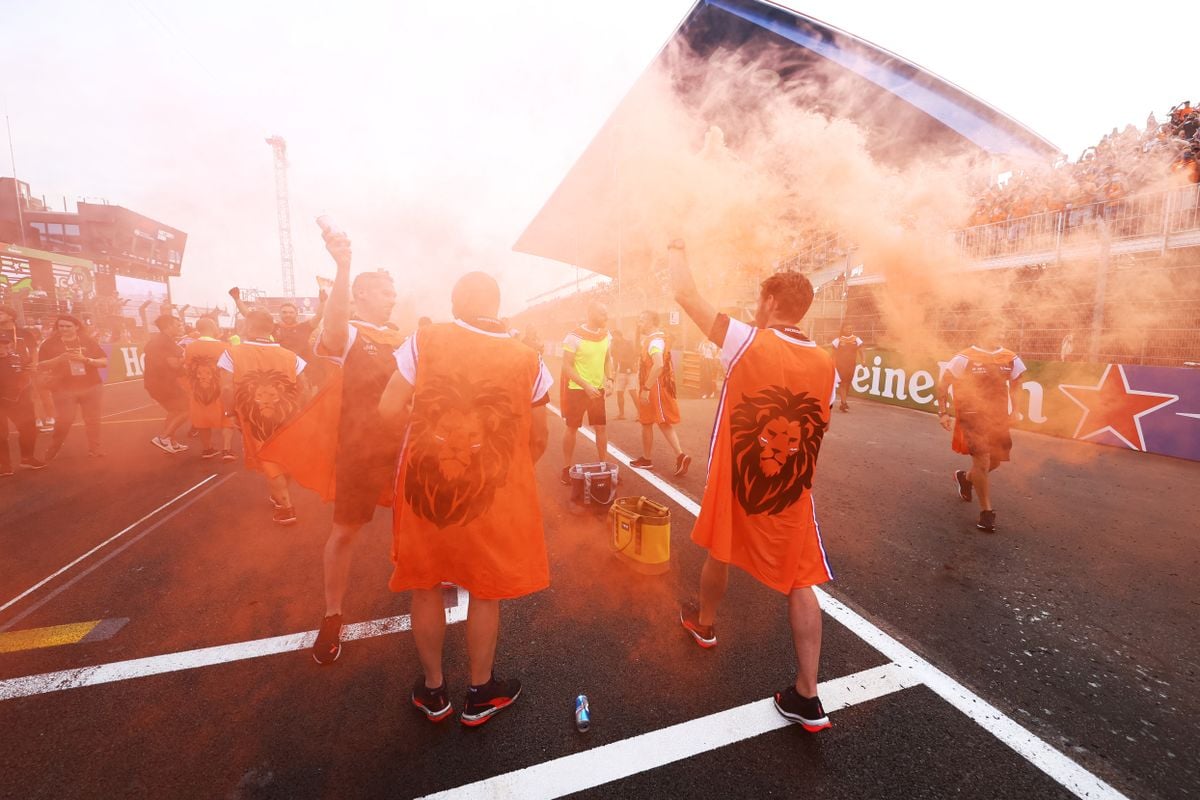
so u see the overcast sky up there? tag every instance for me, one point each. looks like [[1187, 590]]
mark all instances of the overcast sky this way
[[434, 132]]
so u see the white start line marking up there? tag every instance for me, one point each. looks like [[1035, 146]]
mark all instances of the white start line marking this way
[[611, 762], [207, 656], [1046, 758]]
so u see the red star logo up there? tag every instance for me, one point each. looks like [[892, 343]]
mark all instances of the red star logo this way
[[1112, 406]]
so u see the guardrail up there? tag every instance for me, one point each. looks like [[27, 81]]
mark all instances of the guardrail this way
[[1145, 222]]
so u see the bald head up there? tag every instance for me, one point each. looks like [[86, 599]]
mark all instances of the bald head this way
[[259, 323], [475, 295], [207, 326]]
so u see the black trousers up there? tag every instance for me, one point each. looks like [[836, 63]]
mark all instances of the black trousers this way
[[20, 413]]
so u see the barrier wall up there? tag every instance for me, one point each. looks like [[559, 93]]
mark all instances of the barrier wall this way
[[125, 362], [1148, 409]]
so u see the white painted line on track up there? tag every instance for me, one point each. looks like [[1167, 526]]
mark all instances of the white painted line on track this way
[[105, 543], [1042, 755], [610, 762], [49, 682], [130, 410]]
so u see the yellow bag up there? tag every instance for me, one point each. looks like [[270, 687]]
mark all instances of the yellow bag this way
[[641, 534]]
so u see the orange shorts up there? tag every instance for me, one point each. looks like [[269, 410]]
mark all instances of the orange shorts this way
[[661, 409]]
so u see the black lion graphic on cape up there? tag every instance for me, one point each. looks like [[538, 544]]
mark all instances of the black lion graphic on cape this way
[[202, 378], [264, 400], [775, 435], [460, 446]]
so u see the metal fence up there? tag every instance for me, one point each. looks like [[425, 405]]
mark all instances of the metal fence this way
[[1148, 312], [1161, 220]]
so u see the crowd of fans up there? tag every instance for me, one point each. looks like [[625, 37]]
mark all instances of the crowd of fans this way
[[1121, 164]]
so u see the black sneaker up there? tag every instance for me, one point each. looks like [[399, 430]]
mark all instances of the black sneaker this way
[[689, 617], [806, 711], [433, 703], [566, 476], [328, 645], [963, 484], [227, 455], [32, 463], [284, 515], [209, 453], [987, 521], [681, 464], [642, 463], [484, 701]]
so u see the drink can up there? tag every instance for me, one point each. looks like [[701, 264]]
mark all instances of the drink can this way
[[327, 225], [583, 716]]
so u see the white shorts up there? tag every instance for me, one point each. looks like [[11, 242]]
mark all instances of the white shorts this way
[[625, 380]]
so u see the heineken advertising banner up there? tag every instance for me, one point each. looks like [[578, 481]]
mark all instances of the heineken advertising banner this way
[[125, 362], [1148, 409]]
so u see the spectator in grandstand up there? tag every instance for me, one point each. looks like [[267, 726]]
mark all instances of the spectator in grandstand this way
[[163, 372], [73, 363], [16, 403]]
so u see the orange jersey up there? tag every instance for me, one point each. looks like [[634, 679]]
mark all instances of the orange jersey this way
[[466, 507], [202, 381], [981, 380], [266, 394], [757, 511], [661, 406]]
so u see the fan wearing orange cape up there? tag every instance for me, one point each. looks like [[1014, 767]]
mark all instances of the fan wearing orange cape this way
[[757, 510], [261, 384], [466, 506], [339, 446], [202, 379]]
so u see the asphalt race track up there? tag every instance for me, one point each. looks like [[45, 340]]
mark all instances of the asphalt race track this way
[[155, 624]]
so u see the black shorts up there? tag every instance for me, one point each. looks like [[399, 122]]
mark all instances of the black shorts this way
[[359, 483], [982, 435], [576, 404], [173, 401]]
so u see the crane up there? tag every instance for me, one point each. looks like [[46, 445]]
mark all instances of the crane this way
[[283, 211]]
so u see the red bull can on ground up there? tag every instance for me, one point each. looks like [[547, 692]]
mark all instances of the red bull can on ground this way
[[583, 716]]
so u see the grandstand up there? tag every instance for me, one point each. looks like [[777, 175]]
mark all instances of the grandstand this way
[[1092, 260]]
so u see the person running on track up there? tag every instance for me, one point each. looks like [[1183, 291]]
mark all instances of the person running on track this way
[[757, 509], [847, 355], [466, 507], [261, 383], [982, 377], [204, 389], [587, 369], [656, 394], [364, 462]]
